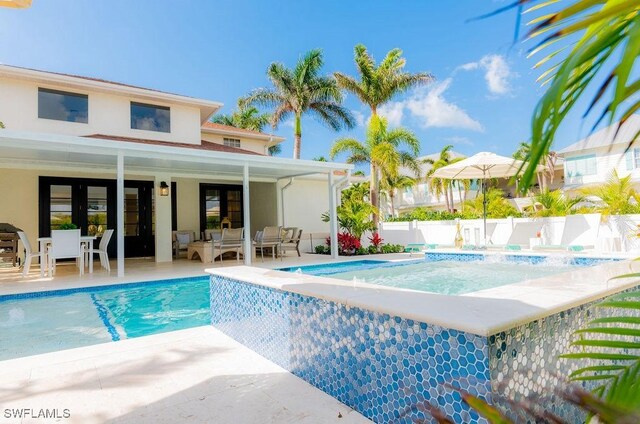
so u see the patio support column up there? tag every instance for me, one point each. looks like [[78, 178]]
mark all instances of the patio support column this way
[[120, 213], [246, 211], [333, 219], [164, 235]]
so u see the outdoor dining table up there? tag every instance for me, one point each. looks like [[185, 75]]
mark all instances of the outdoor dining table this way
[[44, 241]]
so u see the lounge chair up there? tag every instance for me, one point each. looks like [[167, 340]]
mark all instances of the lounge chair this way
[[181, 240], [270, 238], [291, 240], [580, 232], [231, 241], [520, 235]]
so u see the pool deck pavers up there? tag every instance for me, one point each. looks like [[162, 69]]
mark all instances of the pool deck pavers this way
[[197, 375]]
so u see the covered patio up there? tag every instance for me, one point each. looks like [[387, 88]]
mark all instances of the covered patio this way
[[262, 179]]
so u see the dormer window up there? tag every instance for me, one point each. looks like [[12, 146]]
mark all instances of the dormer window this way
[[232, 142], [150, 117], [63, 106]]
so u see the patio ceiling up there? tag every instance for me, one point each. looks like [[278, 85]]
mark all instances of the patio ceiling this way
[[30, 150]]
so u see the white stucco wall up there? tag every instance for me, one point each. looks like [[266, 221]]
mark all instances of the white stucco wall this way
[[304, 201], [109, 114], [252, 145]]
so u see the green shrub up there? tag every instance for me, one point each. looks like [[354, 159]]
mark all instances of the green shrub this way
[[322, 250], [373, 250], [392, 248], [362, 251]]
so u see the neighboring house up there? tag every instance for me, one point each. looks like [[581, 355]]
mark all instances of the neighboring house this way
[[69, 140], [593, 159]]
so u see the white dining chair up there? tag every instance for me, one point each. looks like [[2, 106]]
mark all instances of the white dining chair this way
[[65, 244], [102, 250], [29, 253]]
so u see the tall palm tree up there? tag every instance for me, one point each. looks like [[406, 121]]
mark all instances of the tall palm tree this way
[[302, 90], [381, 150], [389, 184], [548, 160], [380, 83], [440, 186]]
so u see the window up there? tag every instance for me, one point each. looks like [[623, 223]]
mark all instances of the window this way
[[232, 142], [63, 106], [150, 117], [580, 166], [632, 158]]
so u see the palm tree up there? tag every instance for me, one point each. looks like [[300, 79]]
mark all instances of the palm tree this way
[[439, 186], [389, 184], [599, 58], [545, 177], [302, 90], [381, 150], [247, 117], [616, 196], [380, 83]]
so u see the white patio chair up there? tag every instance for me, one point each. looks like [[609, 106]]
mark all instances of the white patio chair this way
[[65, 244], [102, 250], [211, 234], [271, 239], [291, 240], [29, 253], [231, 241]]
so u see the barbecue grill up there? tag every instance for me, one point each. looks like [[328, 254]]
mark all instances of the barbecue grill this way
[[9, 243]]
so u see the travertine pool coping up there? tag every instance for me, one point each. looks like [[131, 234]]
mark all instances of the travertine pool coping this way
[[483, 312]]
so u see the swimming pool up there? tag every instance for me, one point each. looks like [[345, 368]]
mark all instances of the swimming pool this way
[[34, 323], [450, 273]]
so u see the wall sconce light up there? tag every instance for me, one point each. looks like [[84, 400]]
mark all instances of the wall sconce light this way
[[164, 189]]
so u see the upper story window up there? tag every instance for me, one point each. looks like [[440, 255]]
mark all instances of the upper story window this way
[[232, 142], [63, 106], [150, 117], [580, 166]]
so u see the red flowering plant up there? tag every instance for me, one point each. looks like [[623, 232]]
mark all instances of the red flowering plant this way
[[347, 244], [376, 242]]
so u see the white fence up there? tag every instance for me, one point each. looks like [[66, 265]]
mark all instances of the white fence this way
[[613, 233]]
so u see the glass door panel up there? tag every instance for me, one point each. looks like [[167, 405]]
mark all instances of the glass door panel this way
[[234, 207], [131, 212], [212, 208], [60, 206], [97, 207]]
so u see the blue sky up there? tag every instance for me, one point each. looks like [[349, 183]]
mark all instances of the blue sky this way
[[482, 99]]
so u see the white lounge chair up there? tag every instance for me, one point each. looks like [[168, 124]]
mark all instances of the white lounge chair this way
[[65, 244], [520, 235], [102, 250], [271, 238], [580, 232], [231, 241], [29, 253]]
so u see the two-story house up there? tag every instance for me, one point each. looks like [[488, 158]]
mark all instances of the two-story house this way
[[101, 154], [593, 159]]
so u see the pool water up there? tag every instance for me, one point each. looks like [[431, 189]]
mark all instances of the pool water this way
[[51, 321], [451, 274]]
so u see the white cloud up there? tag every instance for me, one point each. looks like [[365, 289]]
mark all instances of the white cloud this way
[[393, 111], [433, 110], [459, 140], [497, 72], [359, 117]]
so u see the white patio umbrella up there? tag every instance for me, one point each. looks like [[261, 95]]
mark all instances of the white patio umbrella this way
[[482, 166]]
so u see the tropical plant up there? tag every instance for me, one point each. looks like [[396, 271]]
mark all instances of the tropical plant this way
[[547, 175], [299, 91], [348, 244], [426, 214], [390, 184], [320, 159], [554, 203], [616, 196], [497, 205], [382, 151], [1, 125], [379, 84], [355, 211], [376, 242], [604, 49]]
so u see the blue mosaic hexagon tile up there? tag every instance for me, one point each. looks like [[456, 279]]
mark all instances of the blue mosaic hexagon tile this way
[[381, 366]]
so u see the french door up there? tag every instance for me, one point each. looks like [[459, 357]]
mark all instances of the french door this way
[[220, 201], [90, 204]]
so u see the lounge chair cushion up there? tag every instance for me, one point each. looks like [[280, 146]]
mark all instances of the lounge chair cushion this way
[[575, 248], [183, 239], [512, 247]]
